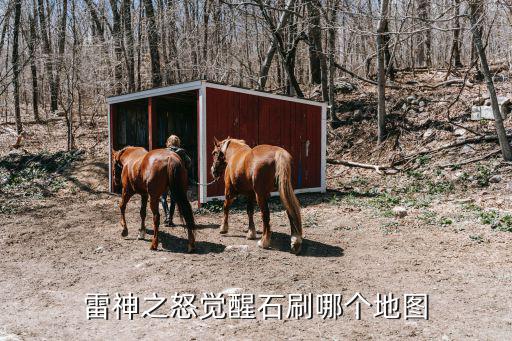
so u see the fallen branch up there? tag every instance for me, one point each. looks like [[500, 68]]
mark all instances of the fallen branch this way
[[354, 75], [476, 159], [487, 138], [448, 83], [383, 170]]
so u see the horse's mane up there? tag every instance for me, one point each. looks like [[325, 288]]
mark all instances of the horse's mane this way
[[236, 140]]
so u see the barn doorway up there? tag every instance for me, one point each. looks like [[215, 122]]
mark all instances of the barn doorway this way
[[131, 124], [177, 114]]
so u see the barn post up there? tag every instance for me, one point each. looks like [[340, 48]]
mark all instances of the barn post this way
[[111, 138], [201, 127], [151, 123], [323, 138]]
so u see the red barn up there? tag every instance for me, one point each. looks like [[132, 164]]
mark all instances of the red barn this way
[[199, 111]]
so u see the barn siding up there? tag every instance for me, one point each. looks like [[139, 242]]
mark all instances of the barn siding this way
[[293, 126]]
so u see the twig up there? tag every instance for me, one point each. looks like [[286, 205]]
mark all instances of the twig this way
[[380, 169], [476, 159], [487, 138]]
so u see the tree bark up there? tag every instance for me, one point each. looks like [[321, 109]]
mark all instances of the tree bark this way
[[128, 33], [31, 38], [61, 44], [315, 43], [281, 46], [269, 56], [47, 50], [118, 47], [156, 75], [424, 51], [477, 38], [456, 36], [331, 48], [15, 65], [381, 70]]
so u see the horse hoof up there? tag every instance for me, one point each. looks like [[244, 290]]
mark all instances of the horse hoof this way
[[223, 231], [191, 249], [296, 248], [141, 236], [153, 247], [263, 244], [296, 245], [124, 233], [251, 234]]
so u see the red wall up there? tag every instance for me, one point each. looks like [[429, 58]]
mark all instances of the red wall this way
[[263, 120]]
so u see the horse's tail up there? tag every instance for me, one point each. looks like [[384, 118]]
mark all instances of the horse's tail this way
[[178, 188], [283, 161]]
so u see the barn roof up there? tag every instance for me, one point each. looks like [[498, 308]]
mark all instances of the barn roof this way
[[198, 84]]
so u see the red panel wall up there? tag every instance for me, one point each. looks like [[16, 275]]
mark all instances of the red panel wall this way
[[295, 127]]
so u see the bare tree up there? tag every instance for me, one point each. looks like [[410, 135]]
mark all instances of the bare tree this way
[[479, 46], [15, 65], [381, 69], [153, 39]]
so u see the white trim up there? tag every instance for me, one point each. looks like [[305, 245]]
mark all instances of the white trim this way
[[195, 85], [323, 163], [109, 153], [264, 94], [203, 171], [156, 92], [274, 194]]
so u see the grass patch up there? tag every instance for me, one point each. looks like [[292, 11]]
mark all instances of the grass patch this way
[[33, 176]]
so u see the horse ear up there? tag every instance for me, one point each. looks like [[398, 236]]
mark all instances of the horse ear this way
[[215, 141]]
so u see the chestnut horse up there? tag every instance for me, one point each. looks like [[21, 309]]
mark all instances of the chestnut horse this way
[[150, 174], [253, 172]]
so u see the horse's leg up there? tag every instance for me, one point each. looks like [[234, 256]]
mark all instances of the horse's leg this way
[[170, 217], [251, 233], [143, 209], [125, 197], [265, 214], [153, 204], [227, 202], [163, 200]]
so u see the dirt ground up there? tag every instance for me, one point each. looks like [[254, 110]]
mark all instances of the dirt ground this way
[[60, 238], [70, 245]]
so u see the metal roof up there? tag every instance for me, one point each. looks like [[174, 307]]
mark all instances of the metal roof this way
[[198, 84]]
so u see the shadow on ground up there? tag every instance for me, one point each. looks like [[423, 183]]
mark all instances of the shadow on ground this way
[[310, 248], [305, 200], [175, 244]]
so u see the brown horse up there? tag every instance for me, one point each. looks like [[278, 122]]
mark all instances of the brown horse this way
[[253, 172], [150, 174]]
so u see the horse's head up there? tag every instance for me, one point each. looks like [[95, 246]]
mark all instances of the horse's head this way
[[118, 168], [219, 157]]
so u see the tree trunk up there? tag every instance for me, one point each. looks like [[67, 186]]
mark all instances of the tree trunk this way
[[477, 39], [15, 65], [31, 38], [281, 46], [269, 56], [315, 43], [456, 36], [381, 70], [118, 47], [424, 51], [61, 43], [47, 50], [128, 33], [156, 76], [331, 48]]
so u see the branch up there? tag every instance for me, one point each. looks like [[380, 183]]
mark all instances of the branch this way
[[383, 170]]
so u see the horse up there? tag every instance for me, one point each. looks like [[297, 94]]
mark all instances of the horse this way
[[150, 174], [253, 172]]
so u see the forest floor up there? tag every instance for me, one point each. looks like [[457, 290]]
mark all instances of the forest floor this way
[[60, 238]]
